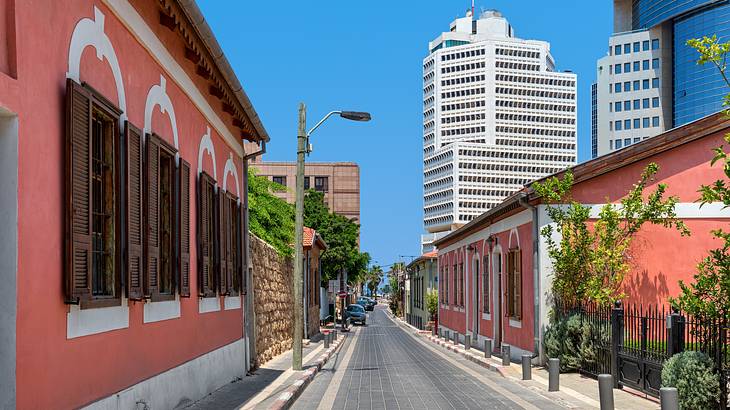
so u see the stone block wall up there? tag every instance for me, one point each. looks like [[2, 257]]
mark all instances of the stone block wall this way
[[273, 289]]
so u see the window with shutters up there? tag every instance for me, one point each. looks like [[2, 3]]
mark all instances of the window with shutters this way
[[514, 284], [232, 257], [206, 235], [485, 285], [92, 228], [321, 184]]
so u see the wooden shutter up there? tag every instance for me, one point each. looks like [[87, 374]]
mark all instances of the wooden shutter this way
[[231, 235], [241, 231], [78, 193], [517, 311], [183, 230], [508, 287], [135, 261], [153, 215], [222, 243], [205, 213]]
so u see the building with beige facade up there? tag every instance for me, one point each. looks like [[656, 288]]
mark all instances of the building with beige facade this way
[[339, 181]]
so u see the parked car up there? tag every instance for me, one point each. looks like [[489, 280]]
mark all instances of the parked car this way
[[356, 313], [366, 302]]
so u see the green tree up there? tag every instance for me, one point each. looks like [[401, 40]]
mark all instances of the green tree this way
[[270, 218], [341, 235], [432, 304], [709, 295], [373, 279], [590, 264]]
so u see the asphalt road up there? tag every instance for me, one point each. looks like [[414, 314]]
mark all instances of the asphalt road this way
[[381, 366]]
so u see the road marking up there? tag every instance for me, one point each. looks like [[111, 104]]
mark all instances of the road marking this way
[[506, 393], [271, 388], [328, 398]]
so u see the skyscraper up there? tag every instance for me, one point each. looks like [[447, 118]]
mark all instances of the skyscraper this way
[[649, 81], [496, 115]]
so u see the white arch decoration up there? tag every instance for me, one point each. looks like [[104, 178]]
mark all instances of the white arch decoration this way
[[157, 96], [514, 233], [230, 168], [206, 144], [90, 32]]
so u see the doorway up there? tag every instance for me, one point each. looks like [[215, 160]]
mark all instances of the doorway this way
[[475, 298], [497, 286]]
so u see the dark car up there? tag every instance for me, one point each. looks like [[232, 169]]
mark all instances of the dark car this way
[[356, 313], [367, 303]]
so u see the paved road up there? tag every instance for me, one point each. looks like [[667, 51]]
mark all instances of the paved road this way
[[381, 366]]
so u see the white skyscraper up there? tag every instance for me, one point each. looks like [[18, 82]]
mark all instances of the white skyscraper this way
[[496, 115]]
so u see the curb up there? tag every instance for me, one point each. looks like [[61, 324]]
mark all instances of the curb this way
[[288, 396], [483, 362]]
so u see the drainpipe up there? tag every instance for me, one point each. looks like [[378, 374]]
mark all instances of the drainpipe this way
[[249, 329], [522, 200]]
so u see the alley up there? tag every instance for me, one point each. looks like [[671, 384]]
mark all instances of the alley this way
[[381, 366]]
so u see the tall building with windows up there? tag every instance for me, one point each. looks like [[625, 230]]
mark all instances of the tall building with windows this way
[[496, 115], [649, 81]]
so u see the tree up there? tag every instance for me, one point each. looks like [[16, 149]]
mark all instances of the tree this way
[[591, 264], [709, 295], [270, 218], [432, 304], [341, 235], [373, 279]]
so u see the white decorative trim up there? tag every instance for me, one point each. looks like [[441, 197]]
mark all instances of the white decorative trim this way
[[159, 311], [503, 225], [230, 168], [206, 305], [206, 144], [231, 302], [515, 323], [137, 27], [90, 32], [513, 232], [84, 322], [684, 210], [157, 97], [486, 316]]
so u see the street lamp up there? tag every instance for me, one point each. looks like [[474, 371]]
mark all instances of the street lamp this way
[[303, 148]]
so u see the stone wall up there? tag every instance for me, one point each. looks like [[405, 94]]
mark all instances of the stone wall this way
[[273, 289]]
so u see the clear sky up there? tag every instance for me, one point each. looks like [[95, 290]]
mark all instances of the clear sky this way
[[367, 55]]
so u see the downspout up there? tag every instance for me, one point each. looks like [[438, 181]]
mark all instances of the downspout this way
[[522, 200], [249, 329]]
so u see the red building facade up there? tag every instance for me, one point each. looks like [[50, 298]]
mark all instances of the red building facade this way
[[123, 133], [495, 271]]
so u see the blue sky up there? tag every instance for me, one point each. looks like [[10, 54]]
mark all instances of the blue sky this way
[[367, 55]]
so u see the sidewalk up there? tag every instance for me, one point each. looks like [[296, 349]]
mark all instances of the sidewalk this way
[[274, 384], [576, 391]]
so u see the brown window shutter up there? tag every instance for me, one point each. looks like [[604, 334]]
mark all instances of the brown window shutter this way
[[231, 243], [518, 285], [240, 229], [77, 270], [508, 287], [222, 243], [135, 261], [184, 229], [206, 235], [153, 215]]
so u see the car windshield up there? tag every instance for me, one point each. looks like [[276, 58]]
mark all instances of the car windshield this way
[[354, 308]]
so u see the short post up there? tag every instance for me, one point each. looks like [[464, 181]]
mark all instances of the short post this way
[[553, 374], [327, 340], [526, 366], [505, 355], [456, 338], [467, 342], [669, 398], [617, 339], [487, 348], [605, 391]]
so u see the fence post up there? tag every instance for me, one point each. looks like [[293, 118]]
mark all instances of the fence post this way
[[721, 351], [675, 337], [617, 335]]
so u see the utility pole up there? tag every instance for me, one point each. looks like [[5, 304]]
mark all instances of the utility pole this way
[[299, 233]]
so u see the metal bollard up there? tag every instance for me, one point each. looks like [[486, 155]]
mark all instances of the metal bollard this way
[[487, 348], [526, 367], [605, 391], [553, 374], [456, 338], [327, 340], [505, 355], [669, 398], [467, 342]]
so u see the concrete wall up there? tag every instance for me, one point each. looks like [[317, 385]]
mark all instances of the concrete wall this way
[[8, 255], [272, 287]]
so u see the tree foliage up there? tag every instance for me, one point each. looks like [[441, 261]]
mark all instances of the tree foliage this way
[[709, 295], [590, 264], [432, 304], [270, 218], [341, 236], [373, 278]]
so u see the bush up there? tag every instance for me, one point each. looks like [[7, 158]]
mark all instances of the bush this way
[[574, 341], [693, 374]]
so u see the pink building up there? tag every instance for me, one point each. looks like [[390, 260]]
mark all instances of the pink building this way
[[123, 141], [494, 272]]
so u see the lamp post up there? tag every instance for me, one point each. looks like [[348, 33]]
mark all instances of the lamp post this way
[[303, 147]]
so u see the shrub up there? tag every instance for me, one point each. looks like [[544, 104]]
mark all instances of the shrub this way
[[692, 373], [563, 340]]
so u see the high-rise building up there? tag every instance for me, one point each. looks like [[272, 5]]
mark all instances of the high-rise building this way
[[650, 81], [496, 115]]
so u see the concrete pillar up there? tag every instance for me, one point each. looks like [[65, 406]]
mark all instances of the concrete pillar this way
[[605, 391], [553, 374]]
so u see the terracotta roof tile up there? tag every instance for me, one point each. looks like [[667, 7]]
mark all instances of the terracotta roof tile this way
[[308, 237]]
